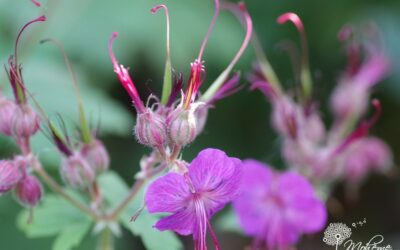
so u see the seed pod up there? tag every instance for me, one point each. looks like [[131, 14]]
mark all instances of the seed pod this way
[[29, 191], [10, 175], [150, 129], [96, 155], [76, 172]]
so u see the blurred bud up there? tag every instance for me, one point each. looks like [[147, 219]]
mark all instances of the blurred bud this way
[[150, 129], [10, 175], [29, 191], [26, 122], [366, 155], [96, 155], [76, 172], [182, 126], [7, 111], [349, 99], [285, 116], [313, 127]]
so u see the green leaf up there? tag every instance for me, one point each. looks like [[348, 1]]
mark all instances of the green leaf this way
[[53, 216], [71, 236], [228, 221], [114, 190]]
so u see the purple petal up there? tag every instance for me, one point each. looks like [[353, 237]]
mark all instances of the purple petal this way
[[214, 173], [304, 211], [255, 183], [167, 194], [181, 222]]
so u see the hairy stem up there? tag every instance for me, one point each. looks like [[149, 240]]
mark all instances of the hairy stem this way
[[105, 241]]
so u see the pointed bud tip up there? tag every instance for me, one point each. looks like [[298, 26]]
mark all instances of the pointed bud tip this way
[[242, 6], [114, 35], [292, 17], [41, 18], [377, 105], [36, 3], [157, 7]]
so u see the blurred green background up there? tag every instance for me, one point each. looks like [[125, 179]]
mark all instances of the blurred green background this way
[[239, 125]]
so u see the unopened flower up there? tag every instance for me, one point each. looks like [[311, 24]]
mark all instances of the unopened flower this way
[[366, 155], [351, 96], [10, 175], [277, 208], [7, 111], [76, 172], [182, 125], [150, 129], [192, 199], [26, 122], [96, 155], [29, 191]]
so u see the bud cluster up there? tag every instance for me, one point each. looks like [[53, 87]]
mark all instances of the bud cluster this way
[[345, 150], [174, 122], [17, 120], [14, 175]]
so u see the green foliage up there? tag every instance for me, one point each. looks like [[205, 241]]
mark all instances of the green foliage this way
[[114, 190], [228, 221], [56, 217]]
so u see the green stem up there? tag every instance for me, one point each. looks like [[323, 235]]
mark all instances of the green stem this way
[[106, 241]]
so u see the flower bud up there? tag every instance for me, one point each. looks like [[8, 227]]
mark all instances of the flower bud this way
[[7, 111], [182, 126], [150, 129], [26, 122], [96, 155], [10, 175], [349, 99], [76, 172], [29, 191]]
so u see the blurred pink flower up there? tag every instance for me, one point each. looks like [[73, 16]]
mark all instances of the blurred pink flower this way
[[277, 208]]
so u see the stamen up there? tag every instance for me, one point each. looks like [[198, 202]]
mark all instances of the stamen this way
[[305, 72], [195, 80], [168, 68], [36, 3], [363, 128], [213, 236], [85, 130], [125, 78], [224, 75], [210, 28]]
